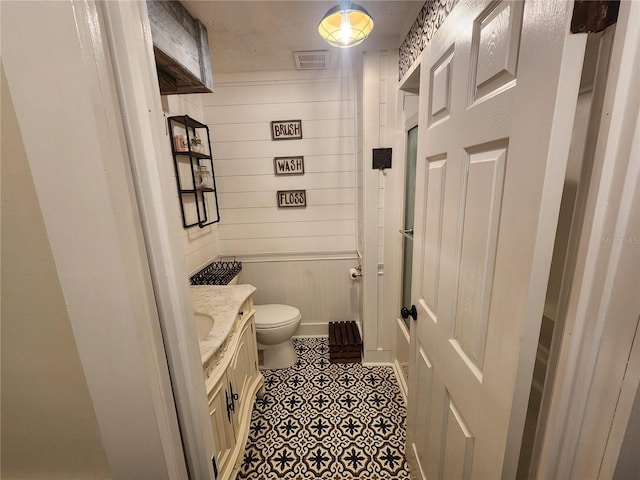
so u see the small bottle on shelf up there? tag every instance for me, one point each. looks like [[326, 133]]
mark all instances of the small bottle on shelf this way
[[204, 180], [196, 144]]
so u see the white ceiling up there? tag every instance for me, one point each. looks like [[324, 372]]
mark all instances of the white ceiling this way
[[252, 36]]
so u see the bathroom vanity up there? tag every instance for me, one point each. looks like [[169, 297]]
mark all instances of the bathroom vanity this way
[[230, 365]]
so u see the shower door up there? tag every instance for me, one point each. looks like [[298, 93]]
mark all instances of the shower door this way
[[409, 209]]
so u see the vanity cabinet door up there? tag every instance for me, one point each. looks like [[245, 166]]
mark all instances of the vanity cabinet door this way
[[222, 422], [244, 368]]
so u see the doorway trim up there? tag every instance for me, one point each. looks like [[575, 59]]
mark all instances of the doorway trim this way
[[593, 373], [129, 36]]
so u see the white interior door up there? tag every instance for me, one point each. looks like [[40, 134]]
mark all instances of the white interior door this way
[[499, 84]]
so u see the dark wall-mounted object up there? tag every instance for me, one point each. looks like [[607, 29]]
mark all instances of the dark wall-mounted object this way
[[181, 48], [382, 158], [594, 15]]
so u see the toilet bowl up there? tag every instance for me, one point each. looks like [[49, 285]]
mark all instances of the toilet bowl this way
[[275, 325]]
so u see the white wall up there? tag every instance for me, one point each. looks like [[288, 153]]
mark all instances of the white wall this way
[[49, 427], [200, 244], [71, 129], [239, 115]]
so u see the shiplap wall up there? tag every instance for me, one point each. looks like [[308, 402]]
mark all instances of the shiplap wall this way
[[239, 113], [381, 190], [200, 244]]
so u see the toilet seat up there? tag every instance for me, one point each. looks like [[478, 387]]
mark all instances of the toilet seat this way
[[275, 316]]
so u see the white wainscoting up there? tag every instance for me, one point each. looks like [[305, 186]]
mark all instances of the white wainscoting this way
[[317, 284]]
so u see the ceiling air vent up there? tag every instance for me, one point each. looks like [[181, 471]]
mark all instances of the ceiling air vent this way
[[311, 59]]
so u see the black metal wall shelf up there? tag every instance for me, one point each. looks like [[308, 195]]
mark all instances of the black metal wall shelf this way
[[217, 273], [194, 199]]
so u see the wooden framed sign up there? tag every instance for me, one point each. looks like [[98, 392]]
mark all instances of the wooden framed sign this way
[[288, 165], [286, 129], [292, 198]]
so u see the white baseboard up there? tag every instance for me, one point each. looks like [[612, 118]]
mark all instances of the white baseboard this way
[[377, 364], [377, 357], [397, 370], [313, 330]]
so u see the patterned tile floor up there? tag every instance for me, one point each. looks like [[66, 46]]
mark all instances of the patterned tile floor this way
[[329, 421]]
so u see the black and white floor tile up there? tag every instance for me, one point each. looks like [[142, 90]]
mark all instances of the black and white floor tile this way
[[329, 421]]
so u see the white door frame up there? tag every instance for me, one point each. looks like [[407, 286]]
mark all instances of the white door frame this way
[[129, 35], [61, 81], [597, 374]]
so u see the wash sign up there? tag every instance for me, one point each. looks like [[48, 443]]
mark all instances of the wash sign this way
[[286, 129], [288, 165]]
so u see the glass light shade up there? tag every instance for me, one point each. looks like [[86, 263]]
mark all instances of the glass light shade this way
[[345, 26]]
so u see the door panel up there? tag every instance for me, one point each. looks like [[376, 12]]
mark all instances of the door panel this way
[[496, 37], [440, 91], [498, 115], [481, 196], [458, 441], [223, 433], [436, 175], [420, 409]]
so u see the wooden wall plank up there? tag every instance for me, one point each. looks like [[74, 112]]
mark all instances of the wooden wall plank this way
[[287, 229], [327, 196], [271, 183], [264, 165], [232, 114], [311, 146], [253, 131], [276, 215], [284, 92], [289, 245]]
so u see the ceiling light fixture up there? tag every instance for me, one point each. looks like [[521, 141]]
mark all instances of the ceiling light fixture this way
[[346, 25]]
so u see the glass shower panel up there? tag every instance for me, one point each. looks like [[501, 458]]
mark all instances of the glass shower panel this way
[[409, 208]]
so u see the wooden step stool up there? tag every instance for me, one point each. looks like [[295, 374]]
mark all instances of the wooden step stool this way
[[345, 344]]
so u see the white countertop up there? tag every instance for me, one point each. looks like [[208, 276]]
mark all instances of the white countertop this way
[[222, 303]]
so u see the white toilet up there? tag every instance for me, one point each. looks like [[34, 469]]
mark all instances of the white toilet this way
[[275, 325]]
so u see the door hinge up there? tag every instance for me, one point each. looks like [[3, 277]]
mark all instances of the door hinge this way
[[594, 15]]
